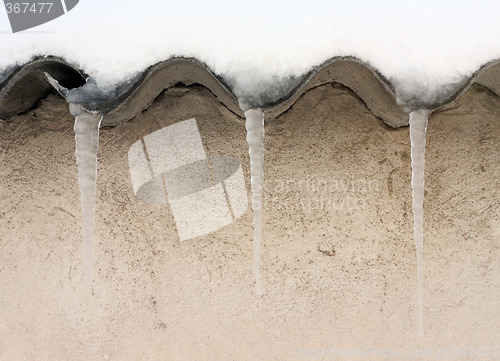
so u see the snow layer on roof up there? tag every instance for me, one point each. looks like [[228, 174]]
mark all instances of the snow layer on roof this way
[[421, 46]]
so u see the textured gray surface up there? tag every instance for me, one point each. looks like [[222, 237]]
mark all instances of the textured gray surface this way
[[335, 274]]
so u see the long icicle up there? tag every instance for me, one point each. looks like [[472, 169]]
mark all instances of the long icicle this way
[[87, 143], [418, 129], [255, 138]]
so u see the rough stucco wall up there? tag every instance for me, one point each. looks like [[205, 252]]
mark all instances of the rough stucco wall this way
[[332, 277]]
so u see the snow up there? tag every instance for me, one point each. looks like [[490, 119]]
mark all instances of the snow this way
[[421, 46]]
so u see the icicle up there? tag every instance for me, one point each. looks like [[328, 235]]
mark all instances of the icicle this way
[[87, 141], [255, 138], [418, 128]]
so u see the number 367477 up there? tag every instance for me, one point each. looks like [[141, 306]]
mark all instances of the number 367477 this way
[[26, 8]]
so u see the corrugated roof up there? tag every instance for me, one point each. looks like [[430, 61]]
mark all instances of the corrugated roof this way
[[22, 86]]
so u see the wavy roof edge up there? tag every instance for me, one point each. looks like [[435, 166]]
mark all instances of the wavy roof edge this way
[[22, 86]]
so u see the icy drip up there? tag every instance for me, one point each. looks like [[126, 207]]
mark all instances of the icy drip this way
[[255, 138], [418, 128], [87, 141]]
